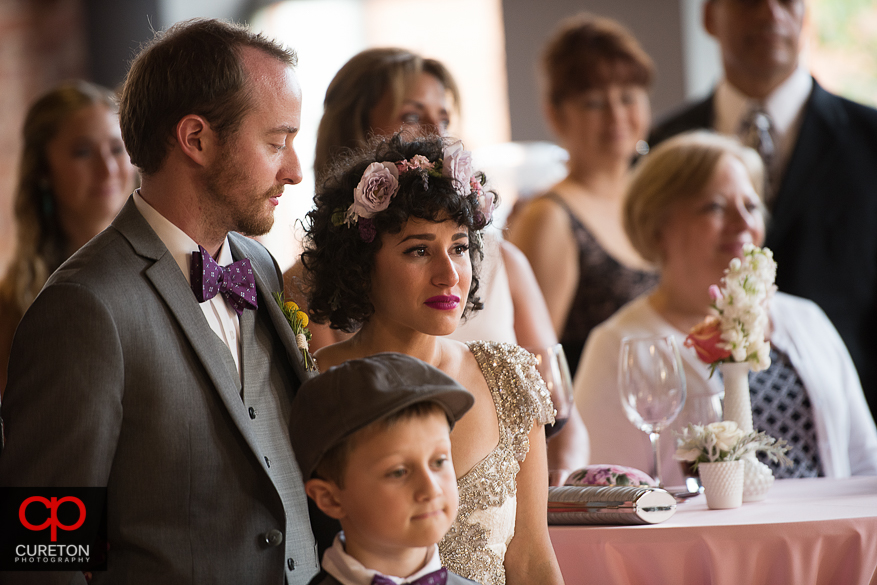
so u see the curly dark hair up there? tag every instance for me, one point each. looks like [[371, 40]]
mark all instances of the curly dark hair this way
[[339, 263]]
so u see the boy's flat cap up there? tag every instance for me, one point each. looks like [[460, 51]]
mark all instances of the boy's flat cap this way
[[333, 405]]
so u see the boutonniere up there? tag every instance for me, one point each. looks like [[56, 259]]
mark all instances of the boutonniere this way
[[298, 321]]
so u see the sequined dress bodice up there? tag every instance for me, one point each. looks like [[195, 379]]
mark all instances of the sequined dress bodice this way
[[475, 545]]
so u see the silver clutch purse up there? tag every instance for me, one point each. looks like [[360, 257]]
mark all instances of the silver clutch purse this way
[[609, 505]]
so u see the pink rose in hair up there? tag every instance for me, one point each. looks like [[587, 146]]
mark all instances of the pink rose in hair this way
[[457, 164], [378, 185], [705, 338], [418, 161]]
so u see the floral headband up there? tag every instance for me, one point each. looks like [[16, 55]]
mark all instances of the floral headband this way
[[380, 183]]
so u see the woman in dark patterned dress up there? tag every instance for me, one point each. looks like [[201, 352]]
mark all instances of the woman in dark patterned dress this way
[[597, 102]]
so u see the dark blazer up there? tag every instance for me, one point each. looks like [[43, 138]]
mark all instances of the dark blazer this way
[[117, 380], [823, 229]]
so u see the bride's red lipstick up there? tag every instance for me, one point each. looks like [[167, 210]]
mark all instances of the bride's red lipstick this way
[[443, 302]]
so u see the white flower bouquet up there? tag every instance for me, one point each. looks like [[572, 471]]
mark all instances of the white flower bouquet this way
[[725, 441], [735, 331]]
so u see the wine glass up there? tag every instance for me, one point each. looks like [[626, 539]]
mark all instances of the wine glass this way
[[554, 369], [651, 384]]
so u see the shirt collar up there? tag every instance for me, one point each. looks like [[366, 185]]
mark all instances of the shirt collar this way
[[178, 243], [783, 104], [349, 571]]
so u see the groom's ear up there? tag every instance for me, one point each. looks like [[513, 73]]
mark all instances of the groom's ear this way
[[196, 139]]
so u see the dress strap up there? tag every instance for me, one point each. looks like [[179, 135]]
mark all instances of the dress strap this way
[[578, 227]]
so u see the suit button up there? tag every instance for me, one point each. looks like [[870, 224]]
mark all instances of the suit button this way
[[291, 564], [273, 537], [252, 413], [267, 462]]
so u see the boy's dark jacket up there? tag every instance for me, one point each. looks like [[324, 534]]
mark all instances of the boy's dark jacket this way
[[325, 578]]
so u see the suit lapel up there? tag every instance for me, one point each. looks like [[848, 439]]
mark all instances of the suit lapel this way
[[278, 320], [168, 280], [813, 149]]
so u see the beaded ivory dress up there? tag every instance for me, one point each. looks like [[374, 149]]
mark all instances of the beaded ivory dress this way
[[475, 545]]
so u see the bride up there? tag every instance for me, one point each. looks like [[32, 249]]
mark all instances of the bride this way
[[391, 252]]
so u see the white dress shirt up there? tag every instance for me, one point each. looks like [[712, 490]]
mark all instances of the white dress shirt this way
[[221, 317], [349, 571], [785, 106]]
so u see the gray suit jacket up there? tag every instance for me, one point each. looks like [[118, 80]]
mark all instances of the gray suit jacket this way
[[117, 380]]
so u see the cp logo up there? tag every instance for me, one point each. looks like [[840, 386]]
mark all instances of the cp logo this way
[[52, 506]]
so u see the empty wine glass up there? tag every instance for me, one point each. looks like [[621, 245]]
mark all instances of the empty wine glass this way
[[552, 365], [651, 384]]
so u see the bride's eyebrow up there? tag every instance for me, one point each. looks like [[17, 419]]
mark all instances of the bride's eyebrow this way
[[427, 236], [431, 237]]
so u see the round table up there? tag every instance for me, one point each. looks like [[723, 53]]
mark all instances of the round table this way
[[806, 531]]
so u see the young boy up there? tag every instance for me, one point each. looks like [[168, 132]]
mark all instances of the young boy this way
[[371, 437]]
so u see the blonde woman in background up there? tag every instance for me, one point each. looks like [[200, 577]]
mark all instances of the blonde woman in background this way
[[74, 177], [692, 205]]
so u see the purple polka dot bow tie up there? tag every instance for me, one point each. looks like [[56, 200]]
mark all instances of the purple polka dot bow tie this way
[[439, 577], [234, 282]]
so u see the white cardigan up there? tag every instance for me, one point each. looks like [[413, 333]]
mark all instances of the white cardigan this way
[[845, 430]]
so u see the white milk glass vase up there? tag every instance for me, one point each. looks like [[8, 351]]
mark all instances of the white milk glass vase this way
[[758, 478], [722, 483]]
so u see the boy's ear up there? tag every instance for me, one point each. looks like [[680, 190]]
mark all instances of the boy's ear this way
[[325, 496]]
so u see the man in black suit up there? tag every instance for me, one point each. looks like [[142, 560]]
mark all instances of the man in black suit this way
[[821, 157]]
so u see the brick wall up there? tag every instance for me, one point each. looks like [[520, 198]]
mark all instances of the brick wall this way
[[42, 42]]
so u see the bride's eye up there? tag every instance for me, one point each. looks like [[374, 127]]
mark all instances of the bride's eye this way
[[416, 251]]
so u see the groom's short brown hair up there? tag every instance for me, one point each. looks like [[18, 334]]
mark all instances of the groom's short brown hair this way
[[192, 68]]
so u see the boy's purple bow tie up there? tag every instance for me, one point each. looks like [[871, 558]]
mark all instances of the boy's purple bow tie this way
[[439, 577], [234, 282]]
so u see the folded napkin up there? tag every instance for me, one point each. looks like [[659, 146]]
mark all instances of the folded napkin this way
[[609, 505]]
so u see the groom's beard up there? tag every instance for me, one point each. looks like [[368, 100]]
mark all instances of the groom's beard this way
[[238, 203]]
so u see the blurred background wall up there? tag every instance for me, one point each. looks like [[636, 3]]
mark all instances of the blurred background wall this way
[[491, 46]]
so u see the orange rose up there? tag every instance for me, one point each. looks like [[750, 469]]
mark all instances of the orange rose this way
[[705, 338]]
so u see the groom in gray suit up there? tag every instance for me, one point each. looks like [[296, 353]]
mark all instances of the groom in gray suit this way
[[128, 373]]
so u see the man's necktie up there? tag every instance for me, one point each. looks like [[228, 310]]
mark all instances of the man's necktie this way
[[756, 131], [234, 282], [439, 577]]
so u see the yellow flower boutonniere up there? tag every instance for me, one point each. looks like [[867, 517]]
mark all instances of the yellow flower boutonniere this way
[[298, 321]]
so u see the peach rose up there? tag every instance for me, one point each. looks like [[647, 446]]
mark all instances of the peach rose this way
[[705, 338]]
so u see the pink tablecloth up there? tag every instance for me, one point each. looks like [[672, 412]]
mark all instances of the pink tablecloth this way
[[806, 531]]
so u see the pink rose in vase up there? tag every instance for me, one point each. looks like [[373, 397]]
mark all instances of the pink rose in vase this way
[[705, 338]]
